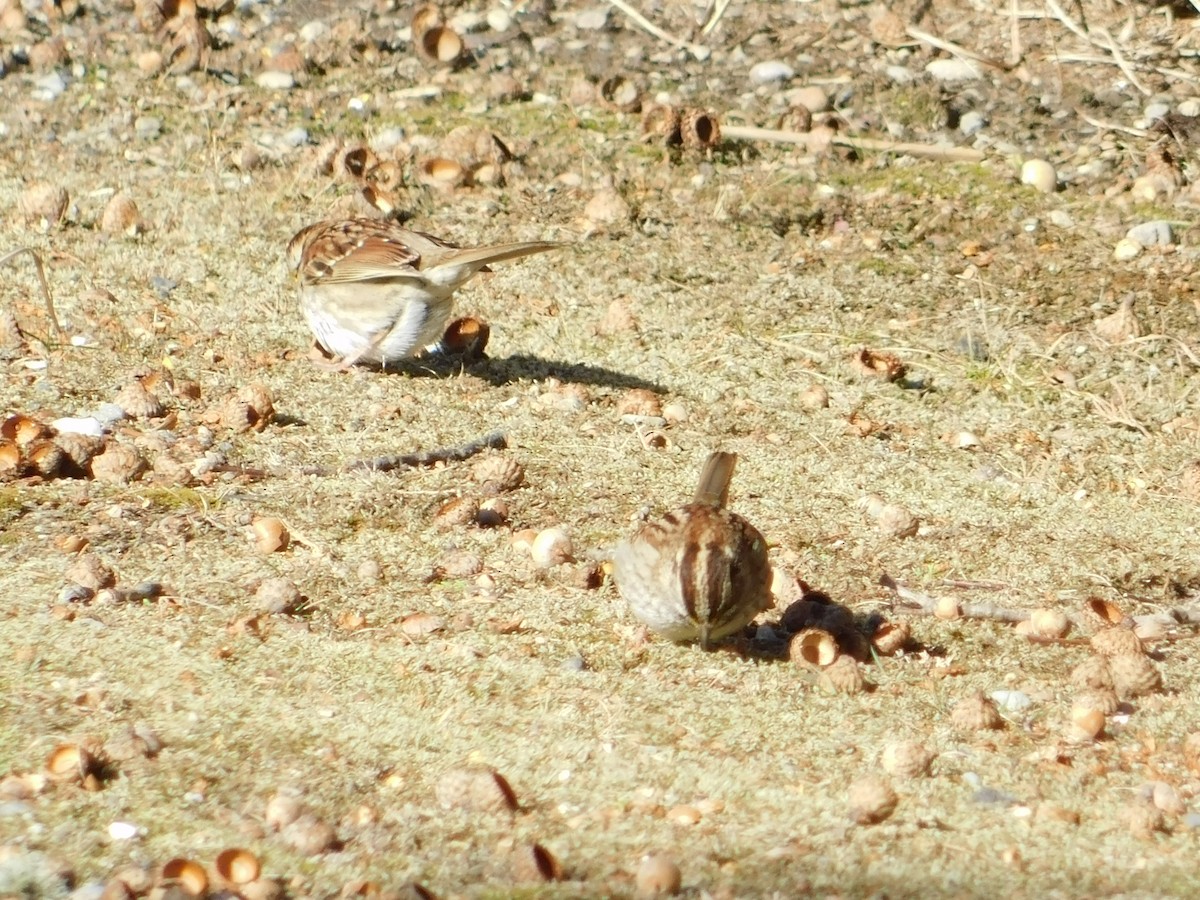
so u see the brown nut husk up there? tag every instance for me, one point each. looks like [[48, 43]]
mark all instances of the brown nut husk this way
[[813, 648], [1117, 641], [976, 713], [699, 129], [187, 875], [477, 789], [871, 800]]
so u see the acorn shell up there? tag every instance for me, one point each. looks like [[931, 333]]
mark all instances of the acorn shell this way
[[10, 459], [662, 123], [71, 762], [842, 676], [976, 713], [502, 473], [1093, 673], [1049, 623], [699, 129], [621, 93], [441, 173], [890, 637], [24, 430], [657, 875], [138, 402], [185, 874], [120, 216], [440, 44], [1102, 699], [814, 648], [1117, 641], [533, 862], [871, 800], [906, 759], [1134, 676], [476, 790], [117, 464], [238, 866]]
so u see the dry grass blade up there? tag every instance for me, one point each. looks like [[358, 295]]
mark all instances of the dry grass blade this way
[[45, 285]]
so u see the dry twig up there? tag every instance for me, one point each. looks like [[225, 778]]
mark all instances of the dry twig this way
[[699, 51], [925, 151]]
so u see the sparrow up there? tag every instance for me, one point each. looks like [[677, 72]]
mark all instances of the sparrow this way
[[374, 292], [700, 572]]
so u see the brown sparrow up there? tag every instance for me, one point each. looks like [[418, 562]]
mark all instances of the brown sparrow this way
[[374, 292], [699, 572]]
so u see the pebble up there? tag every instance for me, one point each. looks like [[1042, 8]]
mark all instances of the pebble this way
[[275, 81], [1152, 234], [49, 86], [1039, 174], [770, 71], [88, 425], [147, 127], [954, 70], [162, 285], [314, 30], [1127, 249], [900, 74], [1011, 701], [1155, 111], [499, 19], [296, 137], [971, 122], [811, 97], [1061, 218], [109, 414], [1190, 107], [592, 19]]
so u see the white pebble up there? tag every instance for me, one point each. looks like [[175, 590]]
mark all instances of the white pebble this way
[[1127, 249], [1011, 701], [954, 70], [1152, 234], [1155, 111], [499, 20], [87, 425], [811, 97], [123, 831], [314, 30], [1039, 174], [971, 122], [770, 71], [900, 74], [1190, 108], [592, 19], [275, 81]]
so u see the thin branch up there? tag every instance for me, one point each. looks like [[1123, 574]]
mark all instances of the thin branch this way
[[699, 51], [926, 151], [955, 49], [719, 11]]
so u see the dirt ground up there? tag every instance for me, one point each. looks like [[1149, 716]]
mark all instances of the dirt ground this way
[[1037, 452]]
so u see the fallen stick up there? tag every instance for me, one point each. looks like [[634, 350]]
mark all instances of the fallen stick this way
[[777, 136], [494, 441]]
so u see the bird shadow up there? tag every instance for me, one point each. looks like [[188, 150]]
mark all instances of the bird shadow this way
[[498, 371]]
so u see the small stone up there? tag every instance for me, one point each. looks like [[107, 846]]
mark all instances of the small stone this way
[[771, 71], [147, 127], [1039, 174], [971, 123], [1127, 249], [275, 81], [658, 876], [277, 595], [953, 70], [1152, 234]]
